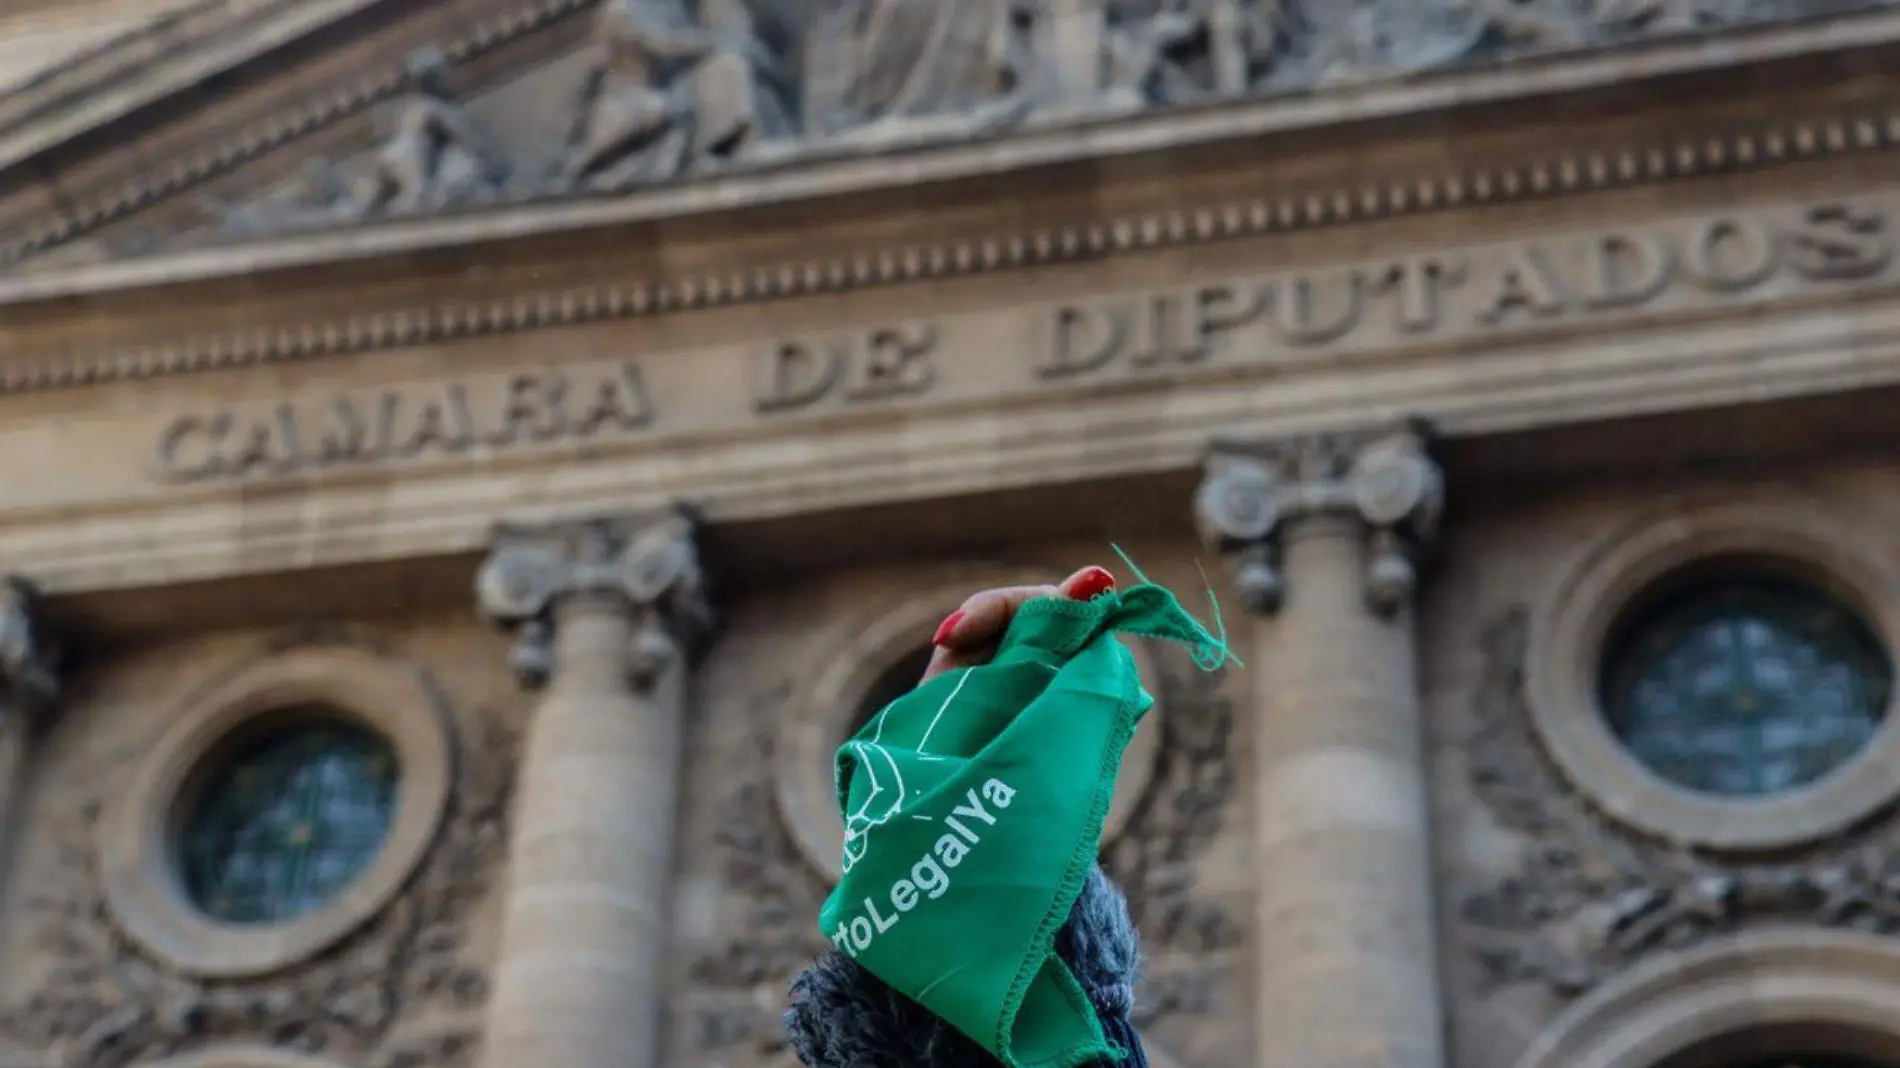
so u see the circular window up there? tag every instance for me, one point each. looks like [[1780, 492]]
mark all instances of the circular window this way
[[1720, 675], [283, 807], [1744, 685], [285, 823]]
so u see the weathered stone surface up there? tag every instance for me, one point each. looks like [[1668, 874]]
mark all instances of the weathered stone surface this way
[[938, 282], [405, 989]]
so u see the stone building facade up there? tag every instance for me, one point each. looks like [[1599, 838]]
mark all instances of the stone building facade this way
[[466, 463]]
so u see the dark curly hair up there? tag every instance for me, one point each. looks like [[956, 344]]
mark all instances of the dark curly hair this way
[[842, 1016]]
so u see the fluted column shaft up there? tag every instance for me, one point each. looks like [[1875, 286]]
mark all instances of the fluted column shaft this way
[[1325, 536], [606, 622]]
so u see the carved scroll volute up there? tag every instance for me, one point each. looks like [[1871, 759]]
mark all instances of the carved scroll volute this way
[[659, 572], [652, 568], [29, 660], [1238, 511], [516, 588], [1400, 493], [1385, 481]]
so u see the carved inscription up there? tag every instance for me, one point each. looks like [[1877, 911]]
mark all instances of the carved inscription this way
[[450, 419], [1503, 287], [878, 364], [1156, 330], [1312, 316]]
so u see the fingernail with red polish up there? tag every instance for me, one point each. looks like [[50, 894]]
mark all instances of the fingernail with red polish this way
[[946, 628], [1093, 583]]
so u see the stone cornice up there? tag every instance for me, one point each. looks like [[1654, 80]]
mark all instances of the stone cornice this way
[[323, 109], [1687, 155], [173, 52], [814, 176]]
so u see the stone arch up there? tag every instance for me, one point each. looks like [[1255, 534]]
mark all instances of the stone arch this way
[[1764, 981]]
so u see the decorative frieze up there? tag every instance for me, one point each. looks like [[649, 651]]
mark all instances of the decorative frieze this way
[[668, 94], [674, 92], [1611, 167], [432, 155]]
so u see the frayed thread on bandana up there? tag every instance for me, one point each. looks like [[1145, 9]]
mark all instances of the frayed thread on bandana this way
[[1207, 646]]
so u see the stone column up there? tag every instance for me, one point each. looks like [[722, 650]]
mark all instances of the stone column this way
[[1325, 536], [607, 614]]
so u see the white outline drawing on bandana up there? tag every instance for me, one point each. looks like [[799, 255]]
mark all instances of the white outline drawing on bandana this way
[[858, 824]]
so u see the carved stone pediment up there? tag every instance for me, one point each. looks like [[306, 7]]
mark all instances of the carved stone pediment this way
[[336, 113]]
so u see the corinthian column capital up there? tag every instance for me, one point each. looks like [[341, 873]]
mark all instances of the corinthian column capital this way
[[1254, 495], [647, 567], [29, 659]]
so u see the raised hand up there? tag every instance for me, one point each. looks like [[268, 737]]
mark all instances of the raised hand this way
[[968, 636]]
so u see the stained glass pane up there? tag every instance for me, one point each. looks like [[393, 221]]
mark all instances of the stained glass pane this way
[[289, 822], [1745, 686]]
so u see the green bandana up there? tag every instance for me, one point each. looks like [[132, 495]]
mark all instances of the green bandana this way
[[973, 807]]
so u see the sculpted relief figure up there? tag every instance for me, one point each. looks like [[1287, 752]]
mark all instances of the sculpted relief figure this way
[[1246, 41], [879, 71], [1120, 55], [682, 86], [1363, 40], [319, 195], [1142, 65], [1345, 41], [430, 154], [670, 93], [1539, 25], [1161, 52], [1147, 52], [433, 153]]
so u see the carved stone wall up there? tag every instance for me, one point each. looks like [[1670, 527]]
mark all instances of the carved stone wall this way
[[402, 990], [1545, 897], [749, 897], [659, 91]]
